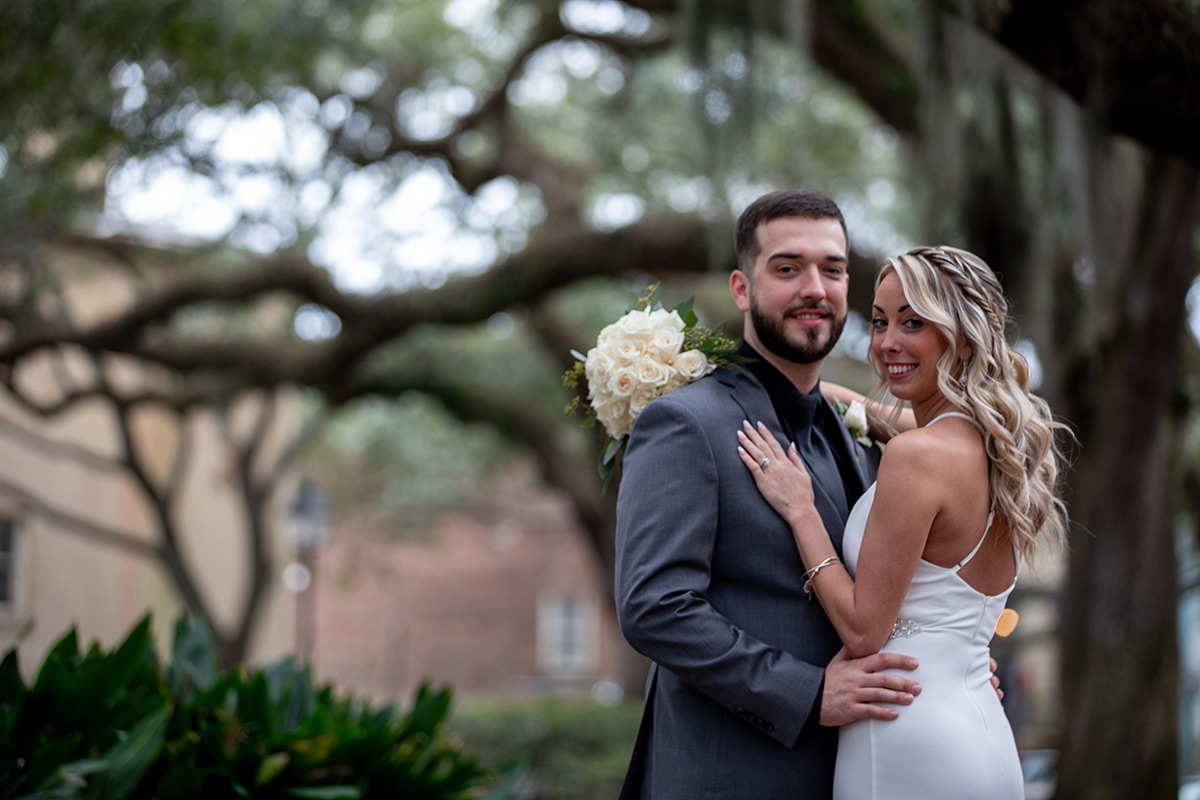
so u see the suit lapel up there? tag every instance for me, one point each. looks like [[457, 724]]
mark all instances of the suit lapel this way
[[756, 405]]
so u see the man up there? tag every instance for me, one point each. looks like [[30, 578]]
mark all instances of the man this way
[[743, 699]]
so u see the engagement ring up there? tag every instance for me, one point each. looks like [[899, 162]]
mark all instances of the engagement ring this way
[[766, 462]]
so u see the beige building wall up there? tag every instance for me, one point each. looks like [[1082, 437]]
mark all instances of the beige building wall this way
[[64, 576]]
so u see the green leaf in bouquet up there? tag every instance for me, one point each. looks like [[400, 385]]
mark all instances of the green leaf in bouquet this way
[[608, 460], [685, 312]]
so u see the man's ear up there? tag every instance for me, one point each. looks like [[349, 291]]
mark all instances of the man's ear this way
[[739, 287]]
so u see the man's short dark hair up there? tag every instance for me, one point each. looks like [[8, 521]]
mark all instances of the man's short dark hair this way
[[782, 203]]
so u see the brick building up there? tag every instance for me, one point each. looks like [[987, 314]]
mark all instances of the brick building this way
[[505, 599]]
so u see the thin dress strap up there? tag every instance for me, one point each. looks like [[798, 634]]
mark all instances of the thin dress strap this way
[[953, 414], [979, 544], [991, 511]]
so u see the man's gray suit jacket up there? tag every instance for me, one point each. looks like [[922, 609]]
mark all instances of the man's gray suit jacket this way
[[709, 586]]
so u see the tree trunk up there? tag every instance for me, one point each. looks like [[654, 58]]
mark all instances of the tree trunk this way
[[1119, 666]]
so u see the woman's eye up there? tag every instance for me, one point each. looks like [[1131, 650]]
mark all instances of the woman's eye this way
[[914, 324], [879, 323]]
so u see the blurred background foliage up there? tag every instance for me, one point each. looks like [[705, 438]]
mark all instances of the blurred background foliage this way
[[572, 749]]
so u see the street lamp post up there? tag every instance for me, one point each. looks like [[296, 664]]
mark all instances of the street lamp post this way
[[308, 525]]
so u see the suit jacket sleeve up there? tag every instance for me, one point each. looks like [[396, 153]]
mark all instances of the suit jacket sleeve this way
[[667, 526]]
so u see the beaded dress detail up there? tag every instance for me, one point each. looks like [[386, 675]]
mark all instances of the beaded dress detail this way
[[954, 741]]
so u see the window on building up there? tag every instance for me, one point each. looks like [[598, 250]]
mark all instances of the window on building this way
[[567, 630], [8, 562]]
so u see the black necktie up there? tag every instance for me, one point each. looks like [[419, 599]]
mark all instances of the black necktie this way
[[816, 450]]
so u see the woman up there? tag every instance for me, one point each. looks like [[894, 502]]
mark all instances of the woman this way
[[932, 550]]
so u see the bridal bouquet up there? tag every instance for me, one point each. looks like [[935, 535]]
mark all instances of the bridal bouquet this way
[[643, 355]]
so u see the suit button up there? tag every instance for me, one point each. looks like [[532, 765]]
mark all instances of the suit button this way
[[768, 727]]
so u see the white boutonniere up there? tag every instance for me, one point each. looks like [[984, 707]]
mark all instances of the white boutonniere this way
[[854, 417]]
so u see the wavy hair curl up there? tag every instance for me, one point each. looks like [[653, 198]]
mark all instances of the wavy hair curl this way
[[983, 377]]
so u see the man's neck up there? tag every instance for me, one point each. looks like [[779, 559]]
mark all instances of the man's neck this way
[[803, 376]]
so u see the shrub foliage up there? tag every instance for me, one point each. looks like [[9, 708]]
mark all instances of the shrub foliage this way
[[118, 725]]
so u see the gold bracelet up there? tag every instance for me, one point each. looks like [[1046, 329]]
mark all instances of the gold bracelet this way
[[812, 574]]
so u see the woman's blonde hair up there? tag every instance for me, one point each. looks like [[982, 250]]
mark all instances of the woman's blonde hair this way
[[984, 378]]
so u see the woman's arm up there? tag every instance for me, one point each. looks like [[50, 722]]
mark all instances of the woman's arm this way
[[880, 431], [864, 610]]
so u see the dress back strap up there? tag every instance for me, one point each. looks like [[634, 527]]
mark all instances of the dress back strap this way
[[958, 414], [991, 511], [979, 544]]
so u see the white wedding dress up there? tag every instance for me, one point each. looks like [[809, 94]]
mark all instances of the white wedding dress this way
[[954, 741]]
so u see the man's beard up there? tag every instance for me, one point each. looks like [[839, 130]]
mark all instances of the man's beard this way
[[772, 336]]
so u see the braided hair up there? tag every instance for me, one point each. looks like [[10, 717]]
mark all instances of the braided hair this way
[[983, 377]]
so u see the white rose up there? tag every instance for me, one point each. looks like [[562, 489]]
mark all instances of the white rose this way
[[856, 418], [609, 406], [623, 381], [665, 343], [597, 366], [662, 317], [607, 334], [692, 364], [677, 380], [616, 419], [635, 322], [640, 398], [627, 348], [650, 372]]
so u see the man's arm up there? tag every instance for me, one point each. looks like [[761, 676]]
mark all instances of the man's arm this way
[[667, 518]]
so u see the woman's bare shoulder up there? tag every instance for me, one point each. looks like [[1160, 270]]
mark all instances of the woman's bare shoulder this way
[[935, 452]]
